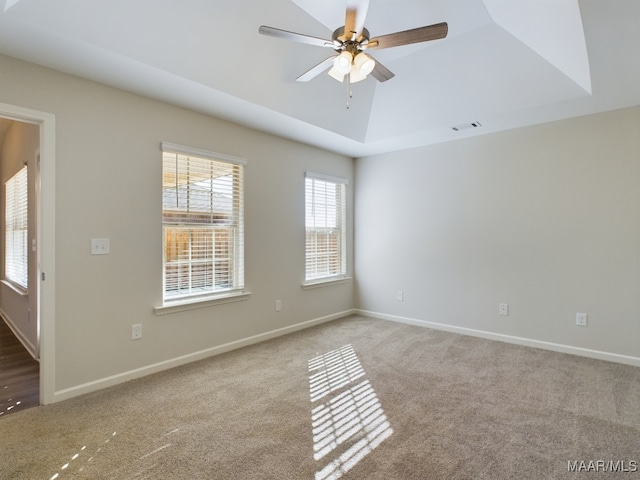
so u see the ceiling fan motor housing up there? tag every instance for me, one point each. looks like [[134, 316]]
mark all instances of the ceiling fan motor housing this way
[[347, 43]]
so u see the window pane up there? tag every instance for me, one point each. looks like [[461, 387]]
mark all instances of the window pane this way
[[325, 228], [16, 229], [203, 225]]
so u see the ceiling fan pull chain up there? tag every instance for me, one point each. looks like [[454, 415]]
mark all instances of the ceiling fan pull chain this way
[[349, 91]]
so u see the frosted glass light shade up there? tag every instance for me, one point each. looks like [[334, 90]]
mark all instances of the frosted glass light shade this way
[[342, 63], [341, 66], [336, 74], [364, 64], [355, 75]]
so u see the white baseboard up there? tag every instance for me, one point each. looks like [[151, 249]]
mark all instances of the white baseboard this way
[[556, 347], [95, 385], [30, 347]]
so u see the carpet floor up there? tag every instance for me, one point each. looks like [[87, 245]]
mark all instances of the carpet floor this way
[[357, 398]]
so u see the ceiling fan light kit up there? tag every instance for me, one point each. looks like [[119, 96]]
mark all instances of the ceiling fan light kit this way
[[351, 40], [357, 67]]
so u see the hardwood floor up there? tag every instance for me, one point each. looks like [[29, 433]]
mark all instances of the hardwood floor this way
[[19, 374]]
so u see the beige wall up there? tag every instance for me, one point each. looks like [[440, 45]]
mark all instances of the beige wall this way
[[108, 184], [545, 219]]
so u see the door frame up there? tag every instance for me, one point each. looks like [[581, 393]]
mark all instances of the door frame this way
[[45, 251]]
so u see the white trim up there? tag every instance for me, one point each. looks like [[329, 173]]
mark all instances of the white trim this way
[[327, 178], [527, 342], [325, 282], [18, 289], [29, 347], [112, 380], [46, 242], [192, 304], [181, 149]]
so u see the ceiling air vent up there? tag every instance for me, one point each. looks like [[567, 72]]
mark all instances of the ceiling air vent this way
[[466, 126]]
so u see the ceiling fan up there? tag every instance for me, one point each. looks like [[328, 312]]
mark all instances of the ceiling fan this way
[[350, 42]]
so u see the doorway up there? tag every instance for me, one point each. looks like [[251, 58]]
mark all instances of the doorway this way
[[30, 311]]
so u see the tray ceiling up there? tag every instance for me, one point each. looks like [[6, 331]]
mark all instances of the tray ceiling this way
[[504, 63]]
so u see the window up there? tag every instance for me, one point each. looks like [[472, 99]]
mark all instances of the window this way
[[202, 208], [325, 252], [16, 252]]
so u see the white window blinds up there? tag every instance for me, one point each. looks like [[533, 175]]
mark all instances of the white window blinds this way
[[325, 222], [202, 221], [16, 229]]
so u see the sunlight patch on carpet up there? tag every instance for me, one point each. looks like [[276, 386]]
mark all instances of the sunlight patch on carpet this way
[[350, 422]]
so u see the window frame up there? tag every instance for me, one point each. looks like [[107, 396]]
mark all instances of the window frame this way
[[210, 294], [341, 222]]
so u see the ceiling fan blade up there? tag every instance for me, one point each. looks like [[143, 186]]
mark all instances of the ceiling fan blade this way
[[296, 37], [381, 73], [415, 35], [317, 70], [355, 17]]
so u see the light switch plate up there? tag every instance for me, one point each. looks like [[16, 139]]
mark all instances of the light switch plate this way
[[100, 246]]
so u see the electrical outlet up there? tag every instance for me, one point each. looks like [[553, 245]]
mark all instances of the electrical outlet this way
[[136, 331], [278, 305], [581, 319], [503, 309], [400, 296]]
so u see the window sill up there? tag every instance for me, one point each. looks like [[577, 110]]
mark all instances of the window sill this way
[[325, 282], [184, 305], [19, 290]]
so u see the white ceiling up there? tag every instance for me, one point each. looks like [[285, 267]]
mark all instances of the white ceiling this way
[[505, 63]]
